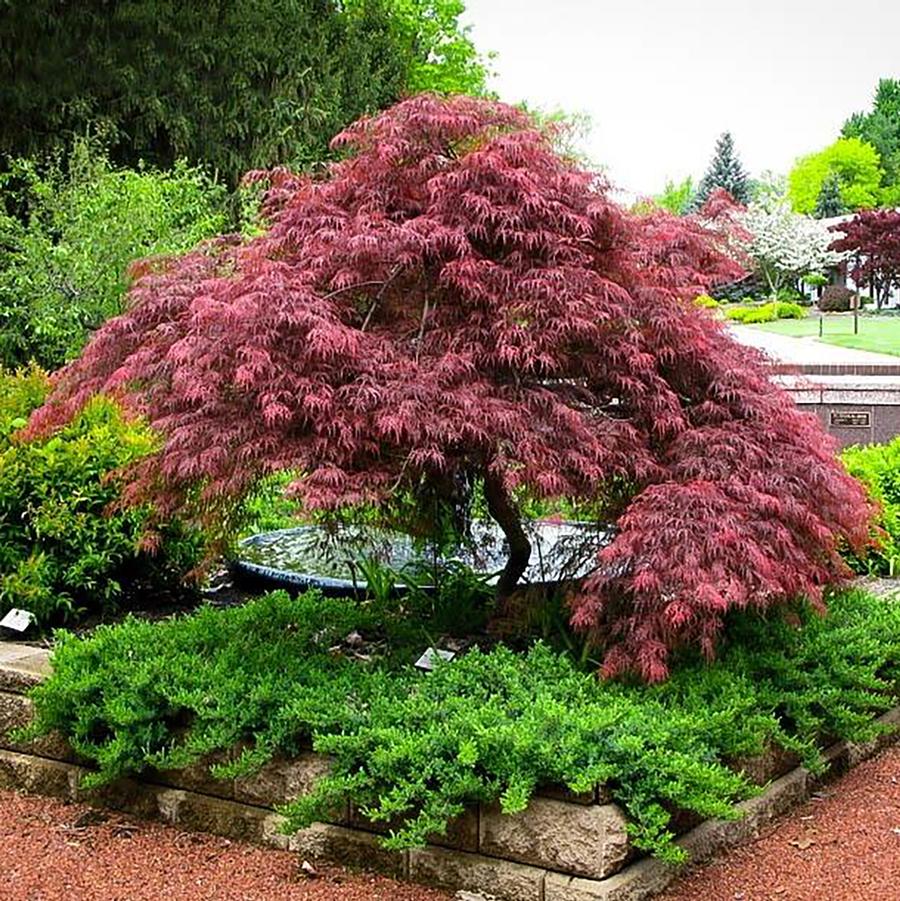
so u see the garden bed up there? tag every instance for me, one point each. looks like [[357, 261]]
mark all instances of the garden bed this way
[[563, 847], [302, 722]]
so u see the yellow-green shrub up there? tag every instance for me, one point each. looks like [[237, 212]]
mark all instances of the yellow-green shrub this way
[[62, 549], [877, 466], [767, 312]]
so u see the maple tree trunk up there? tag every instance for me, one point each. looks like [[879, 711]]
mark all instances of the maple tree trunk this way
[[503, 510]]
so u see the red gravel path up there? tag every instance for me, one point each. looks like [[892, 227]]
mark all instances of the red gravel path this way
[[842, 846], [46, 856]]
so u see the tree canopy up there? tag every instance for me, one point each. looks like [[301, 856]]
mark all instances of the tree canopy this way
[[77, 226], [857, 167], [829, 202], [234, 85], [881, 128], [677, 199], [872, 240], [456, 303], [784, 246]]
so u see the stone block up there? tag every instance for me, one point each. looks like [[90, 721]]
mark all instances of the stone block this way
[[20, 673], [571, 838], [24, 772], [350, 847], [127, 795], [201, 813], [780, 796], [639, 882], [772, 763], [16, 711], [168, 800], [858, 752], [282, 780], [462, 831], [197, 777], [272, 833], [474, 872]]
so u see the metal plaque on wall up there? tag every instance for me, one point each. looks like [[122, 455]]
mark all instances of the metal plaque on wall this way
[[851, 419]]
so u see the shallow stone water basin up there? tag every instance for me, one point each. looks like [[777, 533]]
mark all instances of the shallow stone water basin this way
[[312, 556]]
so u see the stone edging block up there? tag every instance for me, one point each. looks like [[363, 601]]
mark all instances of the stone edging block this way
[[573, 838]]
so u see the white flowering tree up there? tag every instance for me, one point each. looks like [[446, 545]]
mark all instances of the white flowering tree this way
[[785, 246]]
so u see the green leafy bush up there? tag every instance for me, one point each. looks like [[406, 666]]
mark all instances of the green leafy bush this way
[[786, 294], [68, 233], [706, 302], [877, 466], [61, 550], [767, 312], [492, 725]]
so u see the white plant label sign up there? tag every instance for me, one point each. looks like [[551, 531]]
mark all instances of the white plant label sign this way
[[430, 655], [17, 620]]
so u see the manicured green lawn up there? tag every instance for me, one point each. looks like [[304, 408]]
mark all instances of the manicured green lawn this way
[[879, 334]]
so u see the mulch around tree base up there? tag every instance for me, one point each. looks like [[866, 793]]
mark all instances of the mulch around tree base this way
[[51, 851], [843, 845]]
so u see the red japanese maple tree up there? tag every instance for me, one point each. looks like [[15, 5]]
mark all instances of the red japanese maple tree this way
[[455, 301], [872, 238]]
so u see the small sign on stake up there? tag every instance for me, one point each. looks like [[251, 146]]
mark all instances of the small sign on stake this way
[[17, 620], [430, 655]]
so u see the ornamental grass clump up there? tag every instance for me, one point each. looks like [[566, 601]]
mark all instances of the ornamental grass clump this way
[[454, 303]]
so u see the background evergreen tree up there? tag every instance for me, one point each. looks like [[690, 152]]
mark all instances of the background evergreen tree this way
[[725, 171], [881, 128], [231, 84], [830, 203]]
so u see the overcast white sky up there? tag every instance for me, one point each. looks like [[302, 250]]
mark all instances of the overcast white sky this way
[[662, 79]]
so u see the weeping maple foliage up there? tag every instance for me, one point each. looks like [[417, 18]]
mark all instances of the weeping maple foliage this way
[[455, 301]]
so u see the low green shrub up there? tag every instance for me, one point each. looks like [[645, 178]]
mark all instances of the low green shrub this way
[[787, 295], [767, 312], [62, 551], [706, 302], [877, 466], [492, 725]]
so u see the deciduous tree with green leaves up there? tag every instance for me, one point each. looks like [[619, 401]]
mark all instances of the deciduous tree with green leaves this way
[[677, 198], [853, 162], [68, 234]]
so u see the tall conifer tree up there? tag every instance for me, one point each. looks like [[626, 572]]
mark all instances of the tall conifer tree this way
[[830, 203], [725, 171]]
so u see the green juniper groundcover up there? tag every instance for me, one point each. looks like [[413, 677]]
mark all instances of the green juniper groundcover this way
[[494, 724]]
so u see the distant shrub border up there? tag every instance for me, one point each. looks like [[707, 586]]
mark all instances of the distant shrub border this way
[[767, 312], [413, 750]]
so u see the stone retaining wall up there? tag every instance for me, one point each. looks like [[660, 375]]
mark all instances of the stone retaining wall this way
[[564, 847]]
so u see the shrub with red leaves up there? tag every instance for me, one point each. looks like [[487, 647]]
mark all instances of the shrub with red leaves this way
[[836, 299], [453, 302], [872, 237]]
